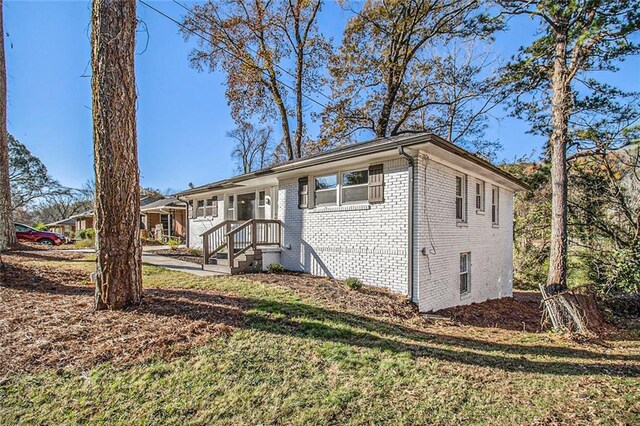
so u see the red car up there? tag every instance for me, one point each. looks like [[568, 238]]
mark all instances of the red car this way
[[29, 234]]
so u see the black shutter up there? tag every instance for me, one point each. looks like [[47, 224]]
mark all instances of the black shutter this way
[[303, 193], [376, 184]]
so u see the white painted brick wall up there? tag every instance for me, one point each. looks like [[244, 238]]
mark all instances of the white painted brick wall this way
[[367, 242], [200, 225], [491, 248], [370, 242]]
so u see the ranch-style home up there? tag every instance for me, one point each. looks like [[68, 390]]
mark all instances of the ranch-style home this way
[[161, 219], [415, 214]]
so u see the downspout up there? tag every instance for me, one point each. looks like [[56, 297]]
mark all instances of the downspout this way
[[186, 220], [410, 219]]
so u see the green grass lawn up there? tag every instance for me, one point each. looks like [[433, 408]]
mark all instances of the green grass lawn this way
[[296, 360]]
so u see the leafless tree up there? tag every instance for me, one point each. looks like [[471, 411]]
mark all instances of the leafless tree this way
[[252, 146]]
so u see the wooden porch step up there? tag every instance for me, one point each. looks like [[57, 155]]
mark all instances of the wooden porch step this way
[[241, 263]]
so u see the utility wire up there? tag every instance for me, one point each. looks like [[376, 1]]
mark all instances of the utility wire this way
[[219, 48]]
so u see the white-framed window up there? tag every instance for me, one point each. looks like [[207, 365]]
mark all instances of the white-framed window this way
[[326, 190], [495, 206], [231, 207], [207, 208], [262, 202], [200, 208], [480, 189], [355, 187], [461, 198], [211, 207], [465, 273]]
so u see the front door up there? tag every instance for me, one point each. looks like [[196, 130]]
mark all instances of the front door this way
[[246, 206]]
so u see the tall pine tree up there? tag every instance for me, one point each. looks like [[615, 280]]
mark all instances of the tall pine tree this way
[[117, 191], [7, 233], [556, 77]]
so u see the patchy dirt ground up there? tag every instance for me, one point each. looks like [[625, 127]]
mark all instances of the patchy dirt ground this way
[[47, 320]]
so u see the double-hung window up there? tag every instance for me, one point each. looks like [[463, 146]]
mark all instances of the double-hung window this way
[[495, 206], [461, 198], [230, 207], [200, 208], [465, 273], [355, 187], [207, 208], [480, 186], [211, 207], [326, 190], [261, 204]]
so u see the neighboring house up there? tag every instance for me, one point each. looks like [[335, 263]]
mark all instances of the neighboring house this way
[[154, 211], [167, 212], [66, 227], [414, 214], [83, 220]]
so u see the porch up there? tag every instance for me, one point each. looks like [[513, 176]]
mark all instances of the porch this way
[[164, 220], [234, 246]]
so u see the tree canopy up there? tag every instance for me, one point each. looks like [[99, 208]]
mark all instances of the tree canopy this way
[[29, 177], [271, 53], [390, 75]]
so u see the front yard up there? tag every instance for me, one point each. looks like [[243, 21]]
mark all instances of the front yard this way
[[268, 349]]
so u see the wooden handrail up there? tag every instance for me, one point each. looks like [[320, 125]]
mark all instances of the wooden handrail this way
[[239, 228], [218, 226], [229, 237]]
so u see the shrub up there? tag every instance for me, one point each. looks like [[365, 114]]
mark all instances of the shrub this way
[[85, 243], [173, 243], [353, 283], [87, 234], [40, 226], [275, 268], [195, 252]]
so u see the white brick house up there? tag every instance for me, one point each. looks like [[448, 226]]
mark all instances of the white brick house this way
[[414, 214]]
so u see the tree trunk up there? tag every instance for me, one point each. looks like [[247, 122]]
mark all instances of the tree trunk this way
[[300, 48], [560, 106], [7, 233], [299, 116], [117, 198]]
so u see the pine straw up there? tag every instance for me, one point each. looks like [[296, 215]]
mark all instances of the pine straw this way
[[522, 312], [47, 321], [370, 301]]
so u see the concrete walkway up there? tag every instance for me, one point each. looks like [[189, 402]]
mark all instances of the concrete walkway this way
[[176, 265], [151, 258]]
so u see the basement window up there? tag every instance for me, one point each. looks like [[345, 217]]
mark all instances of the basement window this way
[[465, 273]]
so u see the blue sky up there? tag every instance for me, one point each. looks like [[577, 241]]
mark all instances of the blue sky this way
[[183, 115]]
